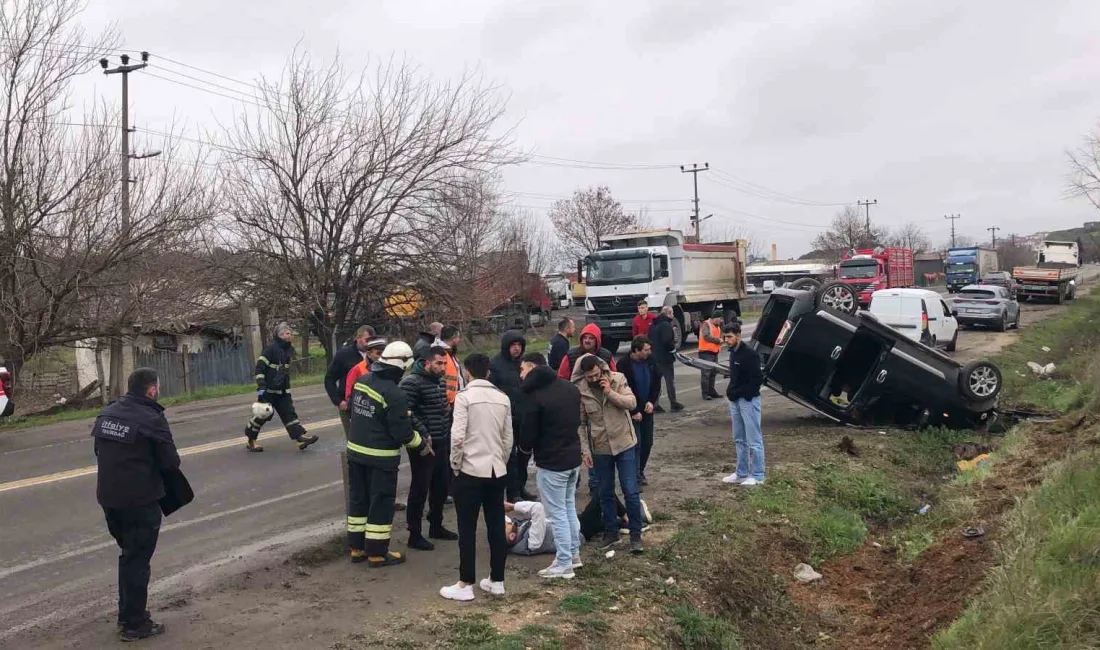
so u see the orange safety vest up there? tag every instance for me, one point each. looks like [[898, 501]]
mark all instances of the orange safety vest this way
[[707, 346], [453, 378]]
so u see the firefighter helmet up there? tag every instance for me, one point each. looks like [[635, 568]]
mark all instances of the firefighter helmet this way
[[397, 354], [262, 411]]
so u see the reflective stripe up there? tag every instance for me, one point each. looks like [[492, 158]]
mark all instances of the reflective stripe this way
[[260, 376], [357, 520], [370, 451], [379, 536], [415, 442], [357, 528], [371, 393], [264, 361], [275, 392], [379, 528], [293, 422]]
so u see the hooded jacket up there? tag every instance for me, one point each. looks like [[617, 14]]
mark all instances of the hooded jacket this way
[[343, 361], [380, 422], [273, 367], [565, 370], [504, 374], [606, 427], [133, 448], [427, 397], [552, 420], [664, 340]]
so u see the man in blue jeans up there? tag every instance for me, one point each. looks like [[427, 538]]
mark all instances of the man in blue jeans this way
[[609, 444], [550, 422], [743, 394]]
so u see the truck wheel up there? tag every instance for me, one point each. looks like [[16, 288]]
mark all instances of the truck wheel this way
[[805, 284], [980, 381], [678, 329], [838, 296]]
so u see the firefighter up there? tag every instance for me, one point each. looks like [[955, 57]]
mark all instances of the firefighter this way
[[380, 427], [273, 393]]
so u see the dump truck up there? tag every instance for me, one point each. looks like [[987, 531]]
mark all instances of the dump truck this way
[[1054, 275]]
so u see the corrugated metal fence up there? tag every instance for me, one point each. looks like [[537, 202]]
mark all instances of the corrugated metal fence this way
[[214, 365]]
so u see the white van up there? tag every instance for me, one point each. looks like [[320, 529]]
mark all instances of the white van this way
[[919, 314], [769, 286]]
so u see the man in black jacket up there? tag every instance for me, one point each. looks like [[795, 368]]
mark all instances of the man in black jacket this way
[[425, 340], [134, 449], [550, 430], [664, 347], [644, 379], [273, 387], [343, 361], [504, 374], [559, 343], [743, 392], [431, 417]]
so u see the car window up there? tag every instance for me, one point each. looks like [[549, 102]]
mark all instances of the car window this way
[[885, 305], [946, 311], [980, 294]]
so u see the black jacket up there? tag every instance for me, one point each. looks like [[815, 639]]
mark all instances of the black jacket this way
[[423, 343], [552, 421], [746, 376], [559, 347], [343, 361], [626, 366], [664, 340], [504, 374], [273, 367], [380, 422], [133, 448], [427, 398]]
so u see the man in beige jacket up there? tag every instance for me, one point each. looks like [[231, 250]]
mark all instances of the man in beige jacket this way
[[609, 445], [481, 441]]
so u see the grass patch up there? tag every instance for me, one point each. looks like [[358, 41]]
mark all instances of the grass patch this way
[[699, 631], [1045, 591], [779, 496], [585, 602], [835, 530], [866, 492], [477, 633]]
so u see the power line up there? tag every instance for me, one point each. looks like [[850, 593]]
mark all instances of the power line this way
[[755, 189], [207, 90]]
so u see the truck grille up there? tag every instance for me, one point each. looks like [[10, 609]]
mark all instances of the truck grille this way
[[860, 287], [607, 304]]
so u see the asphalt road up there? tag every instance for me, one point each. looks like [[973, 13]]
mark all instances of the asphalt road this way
[[57, 562]]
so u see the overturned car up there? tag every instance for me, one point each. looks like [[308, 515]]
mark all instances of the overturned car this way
[[856, 370]]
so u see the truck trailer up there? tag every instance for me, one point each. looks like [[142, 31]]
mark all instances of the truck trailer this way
[[660, 267], [968, 265], [1054, 275], [864, 271]]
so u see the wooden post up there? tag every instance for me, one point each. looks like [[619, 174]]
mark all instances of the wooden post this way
[[187, 382]]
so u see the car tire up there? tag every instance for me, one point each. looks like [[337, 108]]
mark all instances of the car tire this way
[[980, 381], [678, 334], [926, 339], [1003, 325], [954, 340], [805, 284], [838, 297]]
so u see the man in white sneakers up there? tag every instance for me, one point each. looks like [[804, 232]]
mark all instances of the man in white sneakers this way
[[743, 393]]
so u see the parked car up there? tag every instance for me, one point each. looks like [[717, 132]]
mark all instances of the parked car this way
[[919, 314], [7, 407], [769, 286], [1001, 279], [751, 288], [856, 370], [987, 304]]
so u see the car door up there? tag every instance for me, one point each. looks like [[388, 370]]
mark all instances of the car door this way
[[950, 324], [1013, 306], [805, 361]]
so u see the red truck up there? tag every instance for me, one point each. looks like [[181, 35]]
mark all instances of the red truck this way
[[863, 271]]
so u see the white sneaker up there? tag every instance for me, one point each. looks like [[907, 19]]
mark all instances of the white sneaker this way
[[492, 588], [732, 478], [750, 481], [458, 592], [576, 564], [556, 571]]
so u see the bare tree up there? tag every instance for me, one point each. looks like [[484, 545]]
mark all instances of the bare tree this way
[[911, 236], [1084, 168], [333, 182], [585, 219], [848, 230]]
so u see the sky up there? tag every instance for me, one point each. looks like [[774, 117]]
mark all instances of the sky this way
[[798, 106]]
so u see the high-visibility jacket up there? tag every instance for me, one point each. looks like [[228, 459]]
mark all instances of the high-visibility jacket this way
[[455, 378], [715, 332], [357, 371], [380, 422], [273, 367]]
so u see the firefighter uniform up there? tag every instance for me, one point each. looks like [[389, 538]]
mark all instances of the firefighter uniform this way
[[380, 427], [273, 385]]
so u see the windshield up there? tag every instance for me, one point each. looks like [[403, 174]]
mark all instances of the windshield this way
[[961, 268], [858, 270], [977, 294], [619, 271]]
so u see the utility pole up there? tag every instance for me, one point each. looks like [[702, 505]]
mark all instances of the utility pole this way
[[117, 369], [953, 218], [868, 204], [694, 171], [994, 229]]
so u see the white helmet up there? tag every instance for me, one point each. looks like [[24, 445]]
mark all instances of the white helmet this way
[[397, 354], [262, 411]]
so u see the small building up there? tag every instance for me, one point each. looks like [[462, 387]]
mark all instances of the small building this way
[[928, 269]]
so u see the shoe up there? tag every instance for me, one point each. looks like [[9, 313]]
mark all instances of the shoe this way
[[733, 478], [458, 592], [716, 395], [608, 540], [554, 571], [253, 446], [390, 559], [527, 496], [358, 556], [492, 588], [636, 547], [657, 408], [449, 502], [707, 398], [121, 625], [576, 563], [643, 481], [418, 542], [677, 407], [305, 440], [750, 481], [443, 534], [147, 629], [626, 531]]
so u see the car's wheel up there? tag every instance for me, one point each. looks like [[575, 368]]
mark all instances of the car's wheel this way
[[678, 330], [1003, 325], [838, 296], [926, 338], [954, 341], [806, 284], [980, 381]]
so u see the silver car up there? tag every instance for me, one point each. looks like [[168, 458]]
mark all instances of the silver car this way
[[987, 304]]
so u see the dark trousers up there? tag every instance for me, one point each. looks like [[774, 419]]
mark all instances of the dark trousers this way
[[643, 430], [625, 465], [707, 377], [430, 483], [284, 407], [136, 530], [371, 493], [668, 372], [517, 473], [474, 495]]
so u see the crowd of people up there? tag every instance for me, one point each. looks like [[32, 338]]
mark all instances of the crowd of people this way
[[469, 428]]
